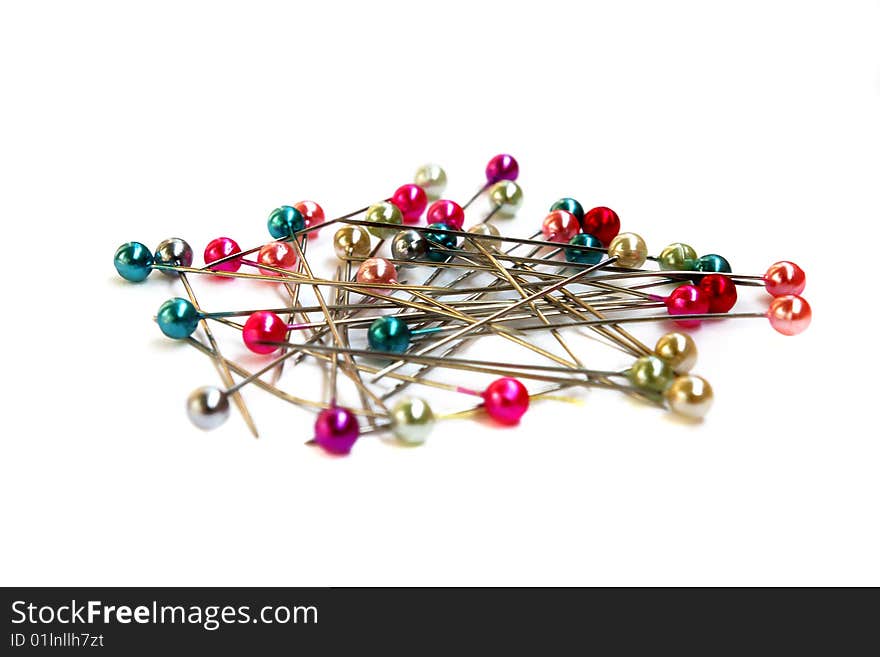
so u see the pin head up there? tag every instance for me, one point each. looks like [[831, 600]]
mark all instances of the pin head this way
[[713, 264], [431, 178], [263, 326], [584, 257], [312, 213], [502, 167], [690, 395], [207, 407], [389, 333], [411, 200], [790, 314], [173, 252], [336, 430], [569, 205], [506, 400], [133, 261], [560, 226], [280, 255], [351, 242], [412, 421], [409, 245], [721, 292], [783, 278], [650, 373], [386, 213], [507, 197], [177, 318], [446, 212], [678, 349], [678, 257], [602, 223], [630, 250], [377, 270], [285, 221], [687, 300], [484, 228], [221, 247], [439, 238]]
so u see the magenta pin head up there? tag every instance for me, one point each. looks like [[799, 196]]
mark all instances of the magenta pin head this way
[[446, 212], [783, 278], [221, 247], [336, 430], [263, 326], [411, 200], [502, 167], [789, 314], [687, 300], [506, 400]]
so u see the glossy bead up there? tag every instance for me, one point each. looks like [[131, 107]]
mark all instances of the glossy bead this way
[[678, 257], [569, 205], [506, 400], [312, 213], [276, 254], [352, 242], [713, 264], [386, 213], [377, 270], [483, 228], [720, 290], [173, 252], [502, 167], [412, 421], [389, 333], [507, 196], [687, 300], [446, 212], [690, 395], [409, 245], [438, 237], [207, 407], [650, 373], [336, 430], [263, 326], [133, 261], [584, 257], [285, 222], [630, 249], [560, 226], [177, 318], [431, 178], [602, 223], [783, 278], [411, 200], [221, 247], [678, 349], [789, 314]]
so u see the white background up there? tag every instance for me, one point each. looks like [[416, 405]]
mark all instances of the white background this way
[[750, 129]]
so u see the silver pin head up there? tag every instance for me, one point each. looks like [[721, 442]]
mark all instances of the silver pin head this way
[[207, 407], [174, 252], [409, 245]]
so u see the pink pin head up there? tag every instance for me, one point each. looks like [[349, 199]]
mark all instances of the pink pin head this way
[[560, 226], [789, 314], [687, 300], [506, 400], [313, 215], [336, 430], [602, 223], [376, 271], [783, 278], [280, 255], [263, 326], [721, 291], [502, 167], [446, 212], [220, 247], [411, 200]]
